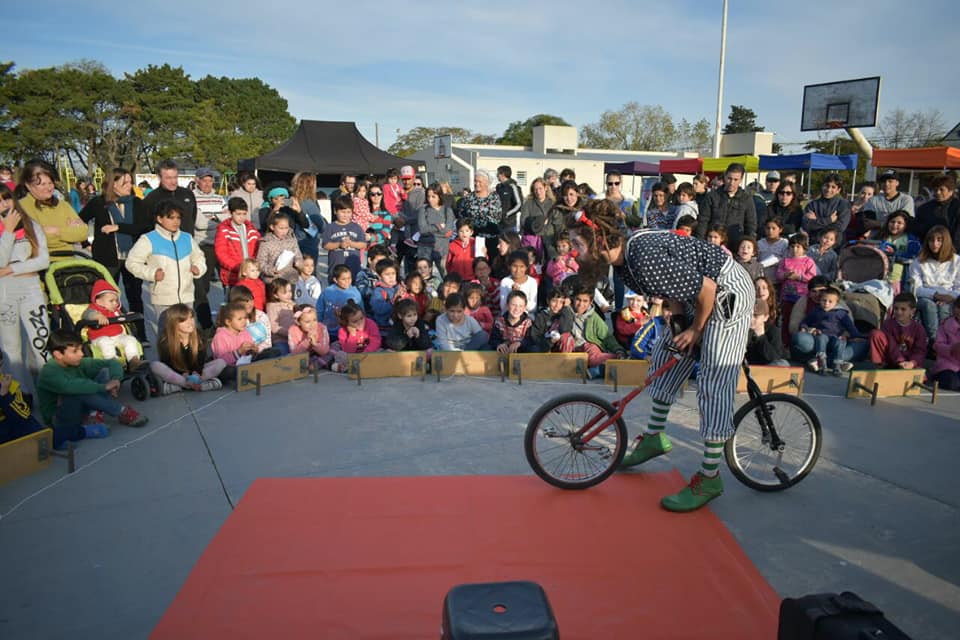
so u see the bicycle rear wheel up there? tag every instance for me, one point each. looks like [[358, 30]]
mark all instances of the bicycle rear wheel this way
[[554, 449], [751, 457]]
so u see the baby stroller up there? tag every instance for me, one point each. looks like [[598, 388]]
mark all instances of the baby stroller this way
[[69, 285], [863, 269]]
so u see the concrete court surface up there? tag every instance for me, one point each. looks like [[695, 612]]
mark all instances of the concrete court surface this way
[[102, 553]]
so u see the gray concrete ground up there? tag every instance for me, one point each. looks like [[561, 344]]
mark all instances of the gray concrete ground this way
[[102, 553]]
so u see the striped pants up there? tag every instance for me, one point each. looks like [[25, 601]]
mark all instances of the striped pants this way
[[722, 347]]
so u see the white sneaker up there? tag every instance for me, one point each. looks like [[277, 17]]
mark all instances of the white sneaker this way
[[167, 388], [814, 365], [211, 385]]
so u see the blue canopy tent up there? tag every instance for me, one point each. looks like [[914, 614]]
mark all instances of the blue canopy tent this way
[[812, 162]]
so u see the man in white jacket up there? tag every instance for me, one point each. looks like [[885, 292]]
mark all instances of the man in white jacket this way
[[168, 259]]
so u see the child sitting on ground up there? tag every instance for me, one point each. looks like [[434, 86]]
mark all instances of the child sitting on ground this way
[[279, 253], [307, 289], [565, 264], [473, 294], [511, 330], [72, 388], [183, 362], [456, 331], [367, 277], [463, 250], [431, 278], [686, 226], [747, 257], [901, 341], [519, 280], [236, 240], [250, 278], [280, 313], [408, 332], [946, 368], [308, 335], [827, 324], [414, 289], [824, 256], [764, 343], [104, 305], [590, 333], [641, 347], [335, 297], [232, 343], [357, 334], [491, 286], [772, 248], [16, 417], [550, 331], [450, 284], [630, 319], [258, 322], [385, 293], [901, 247]]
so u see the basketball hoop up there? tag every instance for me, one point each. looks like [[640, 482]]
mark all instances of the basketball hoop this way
[[834, 124]]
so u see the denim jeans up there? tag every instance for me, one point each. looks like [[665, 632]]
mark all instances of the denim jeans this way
[[73, 409], [803, 348], [932, 314]]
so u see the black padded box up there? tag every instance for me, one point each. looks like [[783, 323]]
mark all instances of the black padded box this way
[[498, 611]]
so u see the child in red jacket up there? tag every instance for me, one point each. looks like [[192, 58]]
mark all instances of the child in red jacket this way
[[250, 278], [105, 305], [236, 240], [631, 318], [901, 342]]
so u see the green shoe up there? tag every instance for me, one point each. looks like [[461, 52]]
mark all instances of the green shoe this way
[[701, 490], [649, 446]]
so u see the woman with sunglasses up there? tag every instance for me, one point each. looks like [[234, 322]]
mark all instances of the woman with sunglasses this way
[[23, 307], [61, 225], [786, 207], [381, 226]]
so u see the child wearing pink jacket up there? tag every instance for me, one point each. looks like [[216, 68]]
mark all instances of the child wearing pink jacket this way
[[357, 334], [793, 274]]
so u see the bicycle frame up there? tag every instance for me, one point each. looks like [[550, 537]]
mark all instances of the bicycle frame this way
[[597, 425]]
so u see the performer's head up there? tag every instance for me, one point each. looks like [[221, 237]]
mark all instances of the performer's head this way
[[595, 234]]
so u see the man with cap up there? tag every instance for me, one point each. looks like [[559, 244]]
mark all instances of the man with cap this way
[[211, 209], [170, 189], [889, 199], [768, 193]]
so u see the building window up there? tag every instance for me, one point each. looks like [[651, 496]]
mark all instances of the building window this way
[[522, 178]]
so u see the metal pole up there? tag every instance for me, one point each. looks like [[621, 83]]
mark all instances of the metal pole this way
[[723, 55], [376, 133]]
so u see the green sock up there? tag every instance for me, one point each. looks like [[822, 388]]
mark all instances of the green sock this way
[[712, 452], [657, 421]]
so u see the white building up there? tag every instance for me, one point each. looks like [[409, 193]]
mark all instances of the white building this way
[[554, 147]]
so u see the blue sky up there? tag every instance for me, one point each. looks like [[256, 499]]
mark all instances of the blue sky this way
[[481, 66]]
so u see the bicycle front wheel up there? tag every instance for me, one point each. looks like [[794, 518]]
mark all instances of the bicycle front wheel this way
[[750, 453], [555, 449]]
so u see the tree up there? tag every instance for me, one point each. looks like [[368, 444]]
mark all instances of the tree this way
[[521, 133], [421, 137], [900, 130], [634, 127], [694, 137], [742, 120]]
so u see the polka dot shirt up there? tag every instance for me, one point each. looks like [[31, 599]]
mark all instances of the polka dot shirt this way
[[670, 266]]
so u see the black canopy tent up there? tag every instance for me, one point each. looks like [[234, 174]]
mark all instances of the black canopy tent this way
[[327, 149]]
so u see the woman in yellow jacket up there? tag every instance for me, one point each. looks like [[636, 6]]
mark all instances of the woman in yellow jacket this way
[[61, 225]]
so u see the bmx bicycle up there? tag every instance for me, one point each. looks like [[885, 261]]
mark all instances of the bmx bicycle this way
[[577, 440]]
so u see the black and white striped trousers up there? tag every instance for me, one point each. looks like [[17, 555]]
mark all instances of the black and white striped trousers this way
[[722, 348]]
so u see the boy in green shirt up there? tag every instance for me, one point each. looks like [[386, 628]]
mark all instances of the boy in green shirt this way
[[71, 388]]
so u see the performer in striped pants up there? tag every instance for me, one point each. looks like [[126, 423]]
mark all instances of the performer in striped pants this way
[[718, 294]]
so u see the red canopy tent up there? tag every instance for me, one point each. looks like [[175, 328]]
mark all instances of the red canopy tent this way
[[681, 165], [930, 158]]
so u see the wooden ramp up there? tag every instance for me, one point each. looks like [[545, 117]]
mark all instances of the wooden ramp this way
[[29, 454], [888, 383], [258, 374], [387, 364], [468, 363], [548, 366], [774, 379]]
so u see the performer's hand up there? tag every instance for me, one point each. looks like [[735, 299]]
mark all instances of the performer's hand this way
[[686, 340]]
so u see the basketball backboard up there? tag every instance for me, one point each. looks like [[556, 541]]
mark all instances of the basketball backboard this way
[[442, 146], [833, 105]]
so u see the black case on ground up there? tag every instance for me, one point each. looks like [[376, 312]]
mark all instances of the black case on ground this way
[[831, 616]]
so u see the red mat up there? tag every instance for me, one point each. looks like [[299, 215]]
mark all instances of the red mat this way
[[374, 557]]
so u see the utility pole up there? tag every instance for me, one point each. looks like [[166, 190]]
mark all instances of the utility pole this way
[[723, 55], [376, 134]]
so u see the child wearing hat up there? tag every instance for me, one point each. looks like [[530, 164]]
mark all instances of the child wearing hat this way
[[633, 316], [105, 306]]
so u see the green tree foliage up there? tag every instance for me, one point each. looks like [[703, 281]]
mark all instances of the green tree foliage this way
[[636, 127], [521, 133], [96, 120], [421, 137], [741, 120]]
